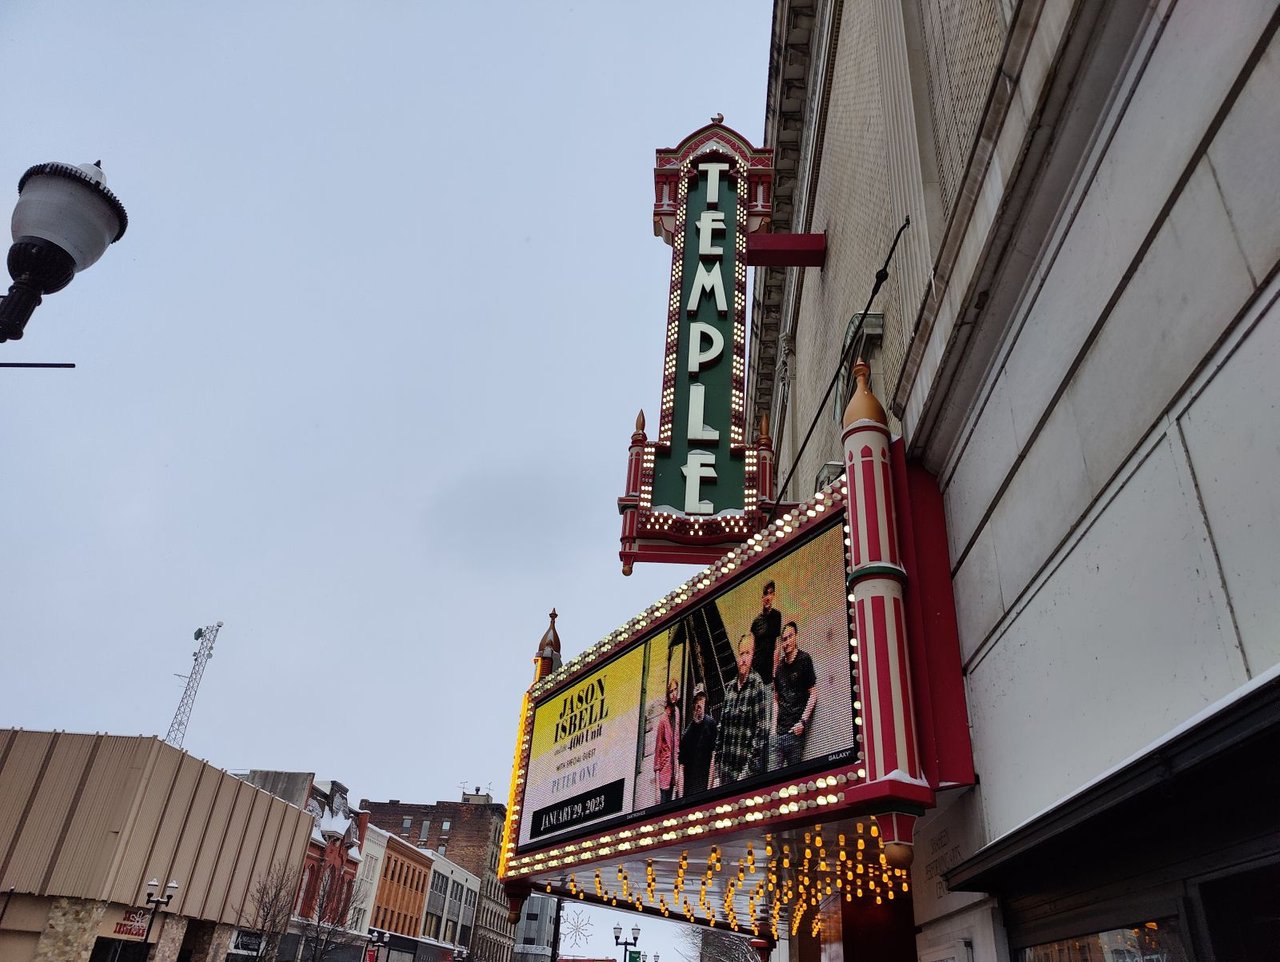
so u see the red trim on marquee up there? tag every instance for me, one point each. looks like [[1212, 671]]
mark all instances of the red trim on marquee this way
[[910, 765], [937, 674]]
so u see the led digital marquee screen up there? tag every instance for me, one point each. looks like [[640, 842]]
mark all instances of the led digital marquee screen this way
[[748, 685]]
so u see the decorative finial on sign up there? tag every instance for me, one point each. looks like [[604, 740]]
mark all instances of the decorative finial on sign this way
[[640, 422], [764, 427], [863, 406], [550, 642], [717, 119], [547, 659]]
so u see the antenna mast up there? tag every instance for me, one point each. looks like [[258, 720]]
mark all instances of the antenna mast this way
[[178, 727]]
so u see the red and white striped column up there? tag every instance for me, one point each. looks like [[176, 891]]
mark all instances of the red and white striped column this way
[[877, 580]]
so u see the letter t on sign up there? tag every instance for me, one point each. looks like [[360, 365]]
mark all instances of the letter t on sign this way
[[713, 172], [699, 465]]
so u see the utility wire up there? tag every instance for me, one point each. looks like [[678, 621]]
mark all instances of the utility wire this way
[[857, 338]]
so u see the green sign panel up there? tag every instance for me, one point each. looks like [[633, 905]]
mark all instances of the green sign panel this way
[[697, 473]]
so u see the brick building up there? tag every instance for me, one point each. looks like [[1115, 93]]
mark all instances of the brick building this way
[[469, 833], [326, 901]]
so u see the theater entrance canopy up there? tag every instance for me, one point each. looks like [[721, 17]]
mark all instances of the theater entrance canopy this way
[[762, 738]]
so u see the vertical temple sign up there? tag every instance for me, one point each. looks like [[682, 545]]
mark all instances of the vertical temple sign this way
[[708, 279]]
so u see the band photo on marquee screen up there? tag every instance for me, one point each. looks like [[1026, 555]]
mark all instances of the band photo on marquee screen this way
[[754, 681]]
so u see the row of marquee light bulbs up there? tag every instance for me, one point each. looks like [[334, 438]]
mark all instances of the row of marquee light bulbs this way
[[800, 878], [780, 529]]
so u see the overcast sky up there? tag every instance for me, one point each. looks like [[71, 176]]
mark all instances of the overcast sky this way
[[360, 378]]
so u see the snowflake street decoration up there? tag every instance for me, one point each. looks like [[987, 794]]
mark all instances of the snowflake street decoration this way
[[577, 928]]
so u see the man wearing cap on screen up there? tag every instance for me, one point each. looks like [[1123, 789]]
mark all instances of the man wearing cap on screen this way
[[765, 629], [743, 736], [697, 744], [794, 696]]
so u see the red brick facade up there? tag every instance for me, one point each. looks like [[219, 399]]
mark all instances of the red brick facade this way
[[468, 833]]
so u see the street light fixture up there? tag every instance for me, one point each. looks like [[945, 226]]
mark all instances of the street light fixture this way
[[625, 943], [155, 901], [64, 220], [377, 939]]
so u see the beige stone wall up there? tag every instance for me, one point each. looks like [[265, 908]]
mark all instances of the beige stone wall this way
[[172, 930], [851, 204], [222, 935], [69, 934], [962, 44], [904, 89]]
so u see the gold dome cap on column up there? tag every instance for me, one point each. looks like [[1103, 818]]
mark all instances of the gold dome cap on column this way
[[863, 406]]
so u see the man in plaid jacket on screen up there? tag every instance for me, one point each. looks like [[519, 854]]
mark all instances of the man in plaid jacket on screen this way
[[743, 736]]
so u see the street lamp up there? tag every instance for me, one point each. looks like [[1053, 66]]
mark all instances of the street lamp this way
[[625, 943], [155, 901], [377, 939], [64, 220]]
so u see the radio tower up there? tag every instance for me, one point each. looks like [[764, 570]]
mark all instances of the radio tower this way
[[178, 727]]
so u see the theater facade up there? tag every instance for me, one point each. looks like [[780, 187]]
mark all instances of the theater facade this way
[[1050, 228]]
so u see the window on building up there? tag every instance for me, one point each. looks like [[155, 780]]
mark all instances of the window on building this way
[[426, 828], [444, 826], [407, 823], [873, 328], [442, 847], [302, 892], [1160, 939]]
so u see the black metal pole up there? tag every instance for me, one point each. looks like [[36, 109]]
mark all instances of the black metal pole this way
[[155, 908], [853, 347]]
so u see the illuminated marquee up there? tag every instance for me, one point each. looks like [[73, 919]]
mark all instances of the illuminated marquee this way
[[644, 732], [643, 853], [752, 828], [697, 488]]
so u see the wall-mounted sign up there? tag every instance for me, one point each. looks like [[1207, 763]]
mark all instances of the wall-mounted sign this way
[[132, 924], [698, 486], [741, 689], [583, 752], [246, 943]]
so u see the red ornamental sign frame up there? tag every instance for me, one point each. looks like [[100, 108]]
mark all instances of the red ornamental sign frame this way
[[663, 533]]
